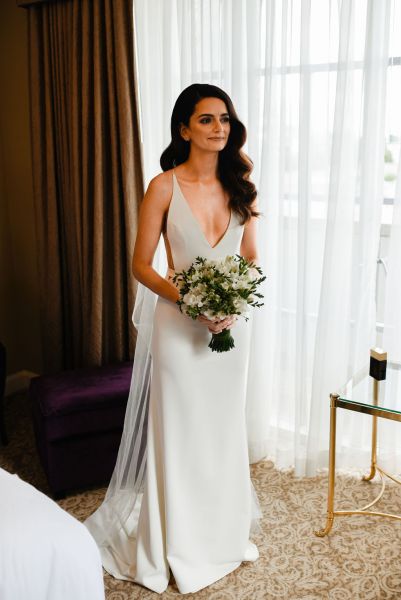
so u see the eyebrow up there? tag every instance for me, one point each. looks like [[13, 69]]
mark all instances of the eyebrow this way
[[210, 115]]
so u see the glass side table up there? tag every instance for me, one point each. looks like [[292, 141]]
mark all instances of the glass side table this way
[[390, 375]]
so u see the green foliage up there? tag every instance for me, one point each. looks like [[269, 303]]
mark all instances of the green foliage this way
[[221, 342]]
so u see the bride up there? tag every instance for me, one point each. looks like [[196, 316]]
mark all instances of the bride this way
[[181, 496]]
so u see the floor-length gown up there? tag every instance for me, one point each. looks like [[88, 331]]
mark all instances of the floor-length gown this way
[[195, 513]]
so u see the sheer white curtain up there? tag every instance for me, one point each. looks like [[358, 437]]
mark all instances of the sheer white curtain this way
[[308, 79], [389, 434]]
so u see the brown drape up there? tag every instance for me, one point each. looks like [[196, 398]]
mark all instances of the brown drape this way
[[87, 177]]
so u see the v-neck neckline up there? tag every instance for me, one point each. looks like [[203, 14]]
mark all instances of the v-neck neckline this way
[[197, 221]]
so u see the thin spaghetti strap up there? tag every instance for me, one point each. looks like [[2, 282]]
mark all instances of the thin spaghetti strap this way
[[170, 260], [174, 184], [176, 195], [175, 189]]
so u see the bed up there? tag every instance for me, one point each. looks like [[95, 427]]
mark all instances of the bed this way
[[45, 553]]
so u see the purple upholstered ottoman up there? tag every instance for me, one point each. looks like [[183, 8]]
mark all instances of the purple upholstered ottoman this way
[[78, 419]]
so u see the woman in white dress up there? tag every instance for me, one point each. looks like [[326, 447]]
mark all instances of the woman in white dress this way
[[181, 497]]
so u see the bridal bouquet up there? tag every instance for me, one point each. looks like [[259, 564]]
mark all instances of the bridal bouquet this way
[[218, 289]]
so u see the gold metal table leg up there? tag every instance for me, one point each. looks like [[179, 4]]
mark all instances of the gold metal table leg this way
[[373, 463], [377, 371], [332, 468]]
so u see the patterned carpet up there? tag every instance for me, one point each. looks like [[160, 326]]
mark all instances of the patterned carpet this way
[[359, 560]]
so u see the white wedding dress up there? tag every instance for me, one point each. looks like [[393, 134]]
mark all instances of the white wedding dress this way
[[195, 514]]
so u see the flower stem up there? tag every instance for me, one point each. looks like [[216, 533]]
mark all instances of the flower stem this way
[[222, 342]]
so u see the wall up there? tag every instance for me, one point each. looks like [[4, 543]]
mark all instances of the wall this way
[[19, 292]]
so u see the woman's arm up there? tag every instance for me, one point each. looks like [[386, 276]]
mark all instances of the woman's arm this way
[[249, 243], [153, 208]]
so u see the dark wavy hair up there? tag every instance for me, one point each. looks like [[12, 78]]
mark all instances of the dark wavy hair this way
[[234, 166]]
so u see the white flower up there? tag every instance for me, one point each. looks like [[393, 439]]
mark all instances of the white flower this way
[[191, 299], [201, 289], [253, 274], [240, 305]]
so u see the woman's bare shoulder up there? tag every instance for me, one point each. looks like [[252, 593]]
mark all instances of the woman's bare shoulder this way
[[159, 192], [162, 184]]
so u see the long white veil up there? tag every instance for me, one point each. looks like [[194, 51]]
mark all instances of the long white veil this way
[[127, 481], [117, 516]]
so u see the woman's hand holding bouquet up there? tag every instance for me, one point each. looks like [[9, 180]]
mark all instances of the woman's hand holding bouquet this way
[[218, 290]]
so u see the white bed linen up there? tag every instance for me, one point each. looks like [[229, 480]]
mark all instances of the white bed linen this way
[[45, 553]]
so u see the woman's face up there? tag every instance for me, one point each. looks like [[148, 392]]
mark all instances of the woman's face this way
[[209, 125]]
